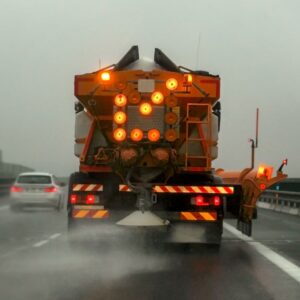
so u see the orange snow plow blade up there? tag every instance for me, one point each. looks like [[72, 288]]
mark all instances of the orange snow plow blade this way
[[252, 183]]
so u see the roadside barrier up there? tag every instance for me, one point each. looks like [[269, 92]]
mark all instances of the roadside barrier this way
[[281, 201]]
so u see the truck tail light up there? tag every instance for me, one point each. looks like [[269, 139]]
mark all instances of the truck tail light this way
[[171, 84], [153, 135], [136, 134], [200, 201], [120, 100], [73, 198], [120, 117], [145, 109], [157, 98], [217, 201], [90, 199], [50, 189], [119, 134], [16, 189]]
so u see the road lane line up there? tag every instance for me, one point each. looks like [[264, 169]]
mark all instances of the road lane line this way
[[41, 243], [54, 236], [4, 207], [278, 260]]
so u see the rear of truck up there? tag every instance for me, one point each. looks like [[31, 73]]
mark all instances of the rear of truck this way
[[146, 134]]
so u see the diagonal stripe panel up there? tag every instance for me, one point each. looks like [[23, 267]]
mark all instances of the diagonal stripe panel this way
[[186, 189]]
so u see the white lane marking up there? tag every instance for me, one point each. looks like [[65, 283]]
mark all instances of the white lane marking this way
[[281, 262], [41, 243], [54, 236], [4, 207]]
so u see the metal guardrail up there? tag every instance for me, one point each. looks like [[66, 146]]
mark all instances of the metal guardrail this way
[[282, 201]]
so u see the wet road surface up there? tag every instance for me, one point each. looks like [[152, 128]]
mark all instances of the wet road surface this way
[[37, 262]]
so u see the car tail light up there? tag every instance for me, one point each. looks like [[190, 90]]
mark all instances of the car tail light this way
[[90, 199], [200, 201], [73, 198], [119, 134], [50, 189], [217, 201], [16, 189]]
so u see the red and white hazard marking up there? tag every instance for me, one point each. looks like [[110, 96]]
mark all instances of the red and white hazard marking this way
[[87, 187], [185, 189]]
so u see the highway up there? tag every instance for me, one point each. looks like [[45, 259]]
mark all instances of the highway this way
[[37, 262]]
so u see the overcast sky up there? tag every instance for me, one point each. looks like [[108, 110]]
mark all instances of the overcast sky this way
[[253, 45]]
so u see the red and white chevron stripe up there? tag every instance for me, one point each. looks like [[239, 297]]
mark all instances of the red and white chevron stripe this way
[[87, 187], [191, 189], [124, 188]]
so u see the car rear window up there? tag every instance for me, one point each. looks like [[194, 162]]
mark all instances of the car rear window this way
[[39, 179]]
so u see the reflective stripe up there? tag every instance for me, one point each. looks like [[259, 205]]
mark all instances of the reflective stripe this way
[[81, 214], [207, 216], [100, 214], [87, 187], [185, 189], [198, 216], [77, 187], [189, 216], [90, 187], [89, 213]]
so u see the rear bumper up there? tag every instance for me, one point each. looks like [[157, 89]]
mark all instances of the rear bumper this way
[[34, 199], [176, 231]]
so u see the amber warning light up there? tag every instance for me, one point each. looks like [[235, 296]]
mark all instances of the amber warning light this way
[[136, 134], [264, 172], [105, 76], [119, 134], [145, 109]]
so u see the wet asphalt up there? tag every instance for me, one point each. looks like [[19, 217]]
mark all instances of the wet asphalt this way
[[37, 261]]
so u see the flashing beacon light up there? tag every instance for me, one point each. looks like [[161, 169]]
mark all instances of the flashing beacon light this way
[[188, 79], [171, 84], [157, 98], [153, 135], [105, 76], [264, 172], [136, 134], [120, 100], [119, 134], [120, 117], [145, 109]]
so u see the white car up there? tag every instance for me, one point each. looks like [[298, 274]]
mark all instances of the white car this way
[[36, 189]]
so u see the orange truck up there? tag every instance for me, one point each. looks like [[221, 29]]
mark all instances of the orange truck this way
[[146, 134]]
